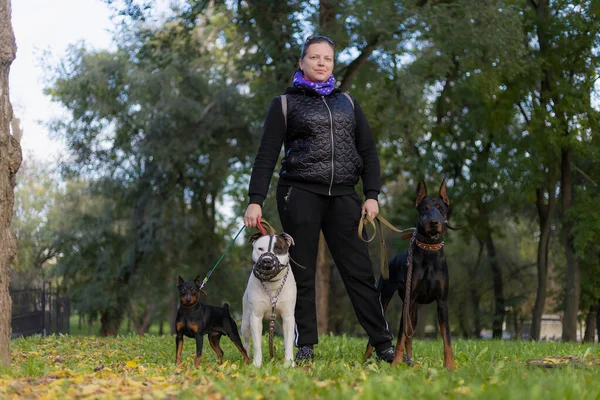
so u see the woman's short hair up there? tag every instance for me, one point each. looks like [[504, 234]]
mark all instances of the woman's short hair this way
[[312, 39]]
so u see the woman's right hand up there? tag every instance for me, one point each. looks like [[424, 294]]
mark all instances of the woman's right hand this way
[[253, 212]]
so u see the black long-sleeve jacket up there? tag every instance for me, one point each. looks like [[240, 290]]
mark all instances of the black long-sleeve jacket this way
[[328, 146]]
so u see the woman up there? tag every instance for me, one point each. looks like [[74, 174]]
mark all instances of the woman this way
[[328, 147]]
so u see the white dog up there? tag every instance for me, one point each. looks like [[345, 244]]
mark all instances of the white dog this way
[[271, 284]]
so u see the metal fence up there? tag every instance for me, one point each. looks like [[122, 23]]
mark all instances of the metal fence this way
[[39, 311]]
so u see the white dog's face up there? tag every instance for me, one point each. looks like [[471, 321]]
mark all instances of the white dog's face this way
[[278, 245]]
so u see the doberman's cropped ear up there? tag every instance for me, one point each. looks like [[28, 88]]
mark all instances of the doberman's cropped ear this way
[[179, 280], [288, 238], [198, 280], [444, 193], [421, 193], [255, 237]]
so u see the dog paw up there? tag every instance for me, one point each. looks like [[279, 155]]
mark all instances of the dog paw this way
[[450, 366], [257, 363], [411, 363], [289, 364]]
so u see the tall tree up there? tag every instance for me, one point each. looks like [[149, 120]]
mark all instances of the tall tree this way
[[149, 125], [546, 212], [564, 42], [35, 221], [469, 54], [10, 160]]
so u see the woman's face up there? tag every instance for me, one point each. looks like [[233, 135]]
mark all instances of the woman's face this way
[[317, 64]]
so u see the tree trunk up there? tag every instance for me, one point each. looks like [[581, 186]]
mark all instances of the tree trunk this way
[[10, 161], [498, 318], [462, 320], [112, 317], [517, 324], [111, 321], [322, 285], [141, 323], [173, 299], [173, 306], [598, 320], [476, 302], [545, 214], [573, 288], [590, 326], [475, 295], [336, 323], [327, 9]]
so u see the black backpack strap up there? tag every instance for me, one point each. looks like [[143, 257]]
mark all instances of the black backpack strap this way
[[349, 98], [283, 98]]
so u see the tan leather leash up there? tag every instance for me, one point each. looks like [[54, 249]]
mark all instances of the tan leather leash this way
[[385, 271]]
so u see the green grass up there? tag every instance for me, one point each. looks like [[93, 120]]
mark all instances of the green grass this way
[[143, 366]]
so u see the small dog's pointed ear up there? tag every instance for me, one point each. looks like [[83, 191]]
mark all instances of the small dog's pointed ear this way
[[421, 193], [255, 237], [198, 280], [444, 193], [179, 280], [288, 238]]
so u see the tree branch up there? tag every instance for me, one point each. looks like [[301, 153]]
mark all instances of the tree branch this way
[[527, 120], [585, 175], [41, 258], [205, 111], [354, 66]]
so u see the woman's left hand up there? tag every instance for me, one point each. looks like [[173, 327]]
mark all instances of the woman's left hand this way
[[370, 208]]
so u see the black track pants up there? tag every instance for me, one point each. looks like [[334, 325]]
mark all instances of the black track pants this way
[[303, 215]]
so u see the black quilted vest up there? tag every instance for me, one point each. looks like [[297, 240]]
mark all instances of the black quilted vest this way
[[320, 142]]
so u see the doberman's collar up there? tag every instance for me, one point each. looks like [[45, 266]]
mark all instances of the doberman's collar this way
[[430, 246], [192, 306], [434, 243]]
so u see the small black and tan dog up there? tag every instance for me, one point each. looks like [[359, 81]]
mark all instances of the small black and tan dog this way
[[429, 273], [195, 320]]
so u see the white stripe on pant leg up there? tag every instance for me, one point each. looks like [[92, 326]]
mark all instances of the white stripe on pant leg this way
[[296, 334], [383, 315], [382, 312]]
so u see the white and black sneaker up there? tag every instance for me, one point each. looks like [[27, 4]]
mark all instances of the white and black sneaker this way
[[386, 355], [305, 354]]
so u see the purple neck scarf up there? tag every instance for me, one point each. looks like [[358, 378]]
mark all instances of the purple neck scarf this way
[[322, 88]]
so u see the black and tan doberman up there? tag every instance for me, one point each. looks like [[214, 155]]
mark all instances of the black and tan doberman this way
[[195, 320], [429, 273]]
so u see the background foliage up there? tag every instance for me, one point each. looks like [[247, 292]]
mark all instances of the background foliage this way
[[499, 98]]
